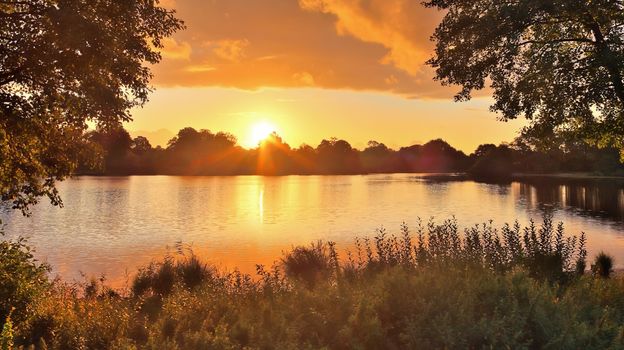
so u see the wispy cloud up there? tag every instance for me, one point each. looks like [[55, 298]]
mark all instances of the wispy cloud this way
[[232, 50], [199, 68], [175, 50]]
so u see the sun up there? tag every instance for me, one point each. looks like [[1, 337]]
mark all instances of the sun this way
[[260, 131]]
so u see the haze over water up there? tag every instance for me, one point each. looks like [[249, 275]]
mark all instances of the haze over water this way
[[110, 225]]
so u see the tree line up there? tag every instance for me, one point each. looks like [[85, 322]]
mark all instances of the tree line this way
[[202, 152]]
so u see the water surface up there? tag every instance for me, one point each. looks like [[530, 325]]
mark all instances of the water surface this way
[[110, 225]]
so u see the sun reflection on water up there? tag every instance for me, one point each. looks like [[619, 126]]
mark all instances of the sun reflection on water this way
[[261, 205]]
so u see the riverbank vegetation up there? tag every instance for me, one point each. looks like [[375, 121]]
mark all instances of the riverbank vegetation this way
[[193, 152], [432, 287]]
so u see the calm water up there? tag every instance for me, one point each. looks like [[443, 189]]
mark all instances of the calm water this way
[[114, 224]]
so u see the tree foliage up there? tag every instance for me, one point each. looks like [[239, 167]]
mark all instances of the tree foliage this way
[[64, 63], [559, 63]]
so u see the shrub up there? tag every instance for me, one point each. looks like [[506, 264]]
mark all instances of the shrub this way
[[161, 278], [22, 280], [193, 272], [603, 265], [309, 264]]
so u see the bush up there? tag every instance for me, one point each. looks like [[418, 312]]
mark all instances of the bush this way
[[193, 272], [310, 264], [161, 278], [22, 280], [603, 265]]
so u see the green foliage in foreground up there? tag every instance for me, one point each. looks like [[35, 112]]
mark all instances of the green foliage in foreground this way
[[6, 335], [22, 280], [436, 288]]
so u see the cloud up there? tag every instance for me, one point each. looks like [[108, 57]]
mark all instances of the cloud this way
[[269, 57], [386, 22], [175, 50], [391, 80], [372, 45], [199, 68], [168, 4], [231, 50], [304, 78]]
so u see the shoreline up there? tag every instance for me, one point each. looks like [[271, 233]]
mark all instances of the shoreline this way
[[449, 176], [566, 176]]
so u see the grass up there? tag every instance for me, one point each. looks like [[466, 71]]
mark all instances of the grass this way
[[435, 287]]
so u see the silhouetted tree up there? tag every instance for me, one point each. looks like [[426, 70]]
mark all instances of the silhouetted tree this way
[[337, 157], [63, 63], [115, 145], [304, 159], [193, 152], [563, 153], [559, 63], [143, 157], [378, 158], [435, 156], [141, 144], [491, 162], [201, 152], [274, 156]]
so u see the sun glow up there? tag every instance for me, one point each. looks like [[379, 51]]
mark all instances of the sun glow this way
[[260, 131]]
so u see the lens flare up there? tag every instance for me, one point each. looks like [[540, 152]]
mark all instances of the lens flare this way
[[259, 132]]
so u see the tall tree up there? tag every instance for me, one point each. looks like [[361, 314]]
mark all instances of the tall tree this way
[[559, 63], [64, 63]]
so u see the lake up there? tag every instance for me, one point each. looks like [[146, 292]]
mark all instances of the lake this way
[[111, 225]]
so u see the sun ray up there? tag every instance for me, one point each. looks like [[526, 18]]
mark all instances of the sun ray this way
[[260, 131]]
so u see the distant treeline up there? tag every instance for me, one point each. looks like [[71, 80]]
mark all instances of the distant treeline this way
[[202, 152]]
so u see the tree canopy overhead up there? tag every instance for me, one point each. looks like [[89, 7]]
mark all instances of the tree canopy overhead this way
[[559, 63], [64, 63]]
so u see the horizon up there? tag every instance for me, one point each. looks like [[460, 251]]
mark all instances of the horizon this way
[[162, 133]]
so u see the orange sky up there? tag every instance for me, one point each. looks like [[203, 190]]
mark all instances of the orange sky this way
[[352, 69]]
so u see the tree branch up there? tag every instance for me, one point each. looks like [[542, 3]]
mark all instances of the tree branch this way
[[556, 41]]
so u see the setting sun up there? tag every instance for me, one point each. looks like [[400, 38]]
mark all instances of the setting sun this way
[[260, 131]]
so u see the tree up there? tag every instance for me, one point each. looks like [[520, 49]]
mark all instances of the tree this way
[[274, 156], [202, 153], [491, 162], [559, 63], [377, 158], [304, 159], [337, 157], [141, 144], [115, 145], [64, 63]]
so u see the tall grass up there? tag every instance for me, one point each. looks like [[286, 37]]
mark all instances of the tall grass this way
[[434, 287], [544, 251]]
